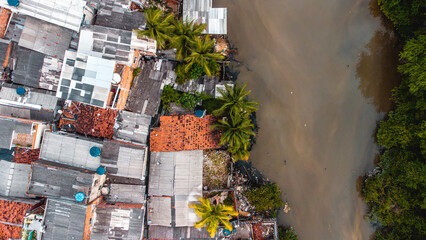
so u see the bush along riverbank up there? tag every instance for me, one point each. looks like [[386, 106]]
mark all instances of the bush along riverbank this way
[[395, 191]]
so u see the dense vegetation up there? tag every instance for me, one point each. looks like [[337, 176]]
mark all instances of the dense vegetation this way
[[213, 215], [286, 233], [266, 198], [236, 124], [396, 193], [406, 15]]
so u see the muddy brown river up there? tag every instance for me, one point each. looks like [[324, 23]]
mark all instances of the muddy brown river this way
[[322, 71]]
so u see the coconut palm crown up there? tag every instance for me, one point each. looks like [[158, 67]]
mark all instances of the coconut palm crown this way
[[236, 130], [212, 215], [158, 26], [235, 101], [185, 33], [203, 55]]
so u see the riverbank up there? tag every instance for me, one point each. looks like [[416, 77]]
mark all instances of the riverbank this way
[[318, 109]]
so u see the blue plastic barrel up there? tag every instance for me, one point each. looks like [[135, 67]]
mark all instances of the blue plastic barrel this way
[[21, 91], [79, 197], [101, 170], [199, 113], [13, 3], [95, 151]]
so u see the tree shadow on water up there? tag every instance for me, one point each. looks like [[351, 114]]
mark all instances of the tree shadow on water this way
[[377, 69]]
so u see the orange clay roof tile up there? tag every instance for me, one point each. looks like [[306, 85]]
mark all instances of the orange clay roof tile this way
[[89, 120], [26, 155], [186, 132], [4, 20]]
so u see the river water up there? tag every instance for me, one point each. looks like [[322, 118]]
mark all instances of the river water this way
[[322, 71]]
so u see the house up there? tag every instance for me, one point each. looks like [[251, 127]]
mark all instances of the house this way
[[70, 150], [88, 120], [14, 179], [12, 216], [177, 176], [117, 14], [132, 127], [144, 96], [124, 159], [16, 132], [201, 11], [86, 79], [184, 132], [175, 182], [51, 179], [64, 13], [66, 219], [45, 37], [114, 44]]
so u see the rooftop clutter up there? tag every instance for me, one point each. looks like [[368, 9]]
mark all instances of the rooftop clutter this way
[[186, 132]]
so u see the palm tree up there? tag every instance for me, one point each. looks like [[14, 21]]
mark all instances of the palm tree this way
[[203, 56], [184, 37], [158, 26], [239, 152], [211, 215], [235, 101], [236, 131]]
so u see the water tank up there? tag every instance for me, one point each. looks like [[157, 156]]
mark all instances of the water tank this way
[[199, 113], [79, 197], [21, 91], [100, 171], [95, 151], [116, 78], [13, 3]]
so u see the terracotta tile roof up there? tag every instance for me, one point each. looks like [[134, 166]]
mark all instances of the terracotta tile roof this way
[[10, 231], [185, 132], [13, 212], [4, 20], [26, 155], [89, 120]]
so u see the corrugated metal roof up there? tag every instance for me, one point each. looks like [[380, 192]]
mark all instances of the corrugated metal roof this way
[[118, 223], [161, 174], [162, 232], [9, 128], [116, 14], [86, 79], [65, 13], [133, 127], [28, 65], [45, 37], [125, 193], [160, 211], [61, 181], [46, 101], [107, 43], [14, 179], [122, 159], [64, 220], [201, 11], [69, 150]]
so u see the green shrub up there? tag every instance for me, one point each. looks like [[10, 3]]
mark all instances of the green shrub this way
[[196, 71], [136, 72], [286, 233], [265, 198]]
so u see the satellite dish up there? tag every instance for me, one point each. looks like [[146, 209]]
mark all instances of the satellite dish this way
[[116, 78]]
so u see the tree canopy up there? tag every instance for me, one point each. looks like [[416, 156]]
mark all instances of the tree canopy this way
[[158, 26], [211, 215], [235, 101], [202, 54], [265, 198], [184, 35]]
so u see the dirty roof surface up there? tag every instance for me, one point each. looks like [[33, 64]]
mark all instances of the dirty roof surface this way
[[144, 97], [107, 43], [8, 127], [160, 211], [115, 14], [64, 220], [65, 13], [86, 79], [44, 37], [126, 193], [69, 150], [50, 73], [133, 127], [15, 28], [46, 101], [53, 180], [89, 120], [163, 232], [201, 11], [26, 155], [28, 66], [118, 223], [24, 113], [122, 159], [14, 178], [185, 132]]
